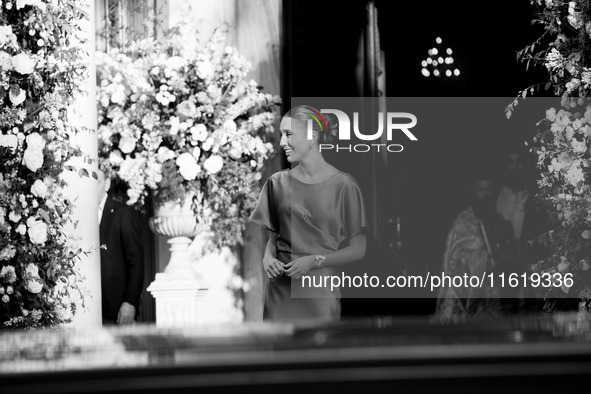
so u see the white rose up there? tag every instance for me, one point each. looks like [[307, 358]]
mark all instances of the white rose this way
[[161, 99], [5, 298], [563, 266], [104, 101], [41, 5], [5, 61], [118, 97], [578, 146], [23, 64], [164, 154], [17, 95], [37, 231], [575, 175], [207, 144], [577, 124], [14, 217], [188, 167], [21, 229], [127, 144], [39, 189], [186, 109], [22, 3], [204, 69], [261, 147], [575, 19], [200, 132], [8, 274], [175, 62], [34, 285], [35, 141], [33, 159], [563, 117], [555, 166], [235, 153], [214, 92], [5, 34], [213, 164], [9, 141], [115, 158], [32, 270], [229, 126]]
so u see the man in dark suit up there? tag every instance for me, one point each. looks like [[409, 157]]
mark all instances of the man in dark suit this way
[[122, 260], [516, 203]]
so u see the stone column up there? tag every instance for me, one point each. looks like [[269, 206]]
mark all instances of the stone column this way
[[258, 34], [81, 191]]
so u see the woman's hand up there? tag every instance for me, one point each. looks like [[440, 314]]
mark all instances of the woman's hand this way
[[272, 267], [299, 267]]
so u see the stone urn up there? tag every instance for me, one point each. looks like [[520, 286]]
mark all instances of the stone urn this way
[[179, 290]]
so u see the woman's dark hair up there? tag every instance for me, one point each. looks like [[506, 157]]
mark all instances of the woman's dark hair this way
[[326, 125]]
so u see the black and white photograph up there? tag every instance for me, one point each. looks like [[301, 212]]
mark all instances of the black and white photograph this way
[[266, 196]]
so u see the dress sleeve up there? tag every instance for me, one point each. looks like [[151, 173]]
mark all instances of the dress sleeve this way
[[265, 212], [353, 208]]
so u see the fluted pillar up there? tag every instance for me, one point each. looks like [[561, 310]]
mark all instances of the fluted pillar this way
[[82, 190]]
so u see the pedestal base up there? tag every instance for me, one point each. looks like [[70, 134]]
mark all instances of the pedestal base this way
[[179, 300]]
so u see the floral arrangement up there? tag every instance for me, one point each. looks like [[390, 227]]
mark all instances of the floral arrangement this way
[[564, 48], [40, 70], [562, 143], [562, 148], [185, 122]]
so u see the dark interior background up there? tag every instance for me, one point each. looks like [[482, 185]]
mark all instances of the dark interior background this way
[[428, 188]]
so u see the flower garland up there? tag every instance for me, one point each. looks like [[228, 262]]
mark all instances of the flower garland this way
[[562, 143], [40, 70], [177, 121]]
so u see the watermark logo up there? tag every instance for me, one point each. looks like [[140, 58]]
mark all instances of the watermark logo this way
[[391, 120], [317, 117]]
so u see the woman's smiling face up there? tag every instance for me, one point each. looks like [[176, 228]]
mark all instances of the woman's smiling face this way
[[294, 139]]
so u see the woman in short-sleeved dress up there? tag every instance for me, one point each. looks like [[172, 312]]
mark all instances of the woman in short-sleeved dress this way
[[317, 224]]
